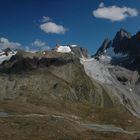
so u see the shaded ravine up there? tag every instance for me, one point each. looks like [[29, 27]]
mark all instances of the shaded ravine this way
[[100, 73]]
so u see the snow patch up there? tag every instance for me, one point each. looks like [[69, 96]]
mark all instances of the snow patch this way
[[110, 52], [109, 55], [130, 89], [73, 45], [4, 57], [105, 58], [63, 49]]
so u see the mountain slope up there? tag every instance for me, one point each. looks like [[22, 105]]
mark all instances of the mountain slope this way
[[52, 90]]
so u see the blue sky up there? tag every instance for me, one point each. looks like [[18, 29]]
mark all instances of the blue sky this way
[[21, 21]]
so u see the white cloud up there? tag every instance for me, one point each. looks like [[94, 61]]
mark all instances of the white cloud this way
[[5, 43], [46, 19], [114, 13], [31, 50], [101, 4], [39, 44], [51, 27]]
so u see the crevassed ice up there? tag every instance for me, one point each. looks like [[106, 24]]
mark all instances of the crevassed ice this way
[[96, 70]]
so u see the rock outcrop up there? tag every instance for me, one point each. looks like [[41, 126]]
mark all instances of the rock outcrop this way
[[121, 41], [79, 52], [102, 50], [123, 51]]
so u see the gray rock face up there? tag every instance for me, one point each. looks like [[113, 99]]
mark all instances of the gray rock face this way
[[79, 52], [125, 44], [119, 44], [102, 50], [123, 51], [121, 41]]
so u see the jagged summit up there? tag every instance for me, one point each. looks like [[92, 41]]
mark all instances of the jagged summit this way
[[120, 41], [124, 49], [123, 33], [115, 48]]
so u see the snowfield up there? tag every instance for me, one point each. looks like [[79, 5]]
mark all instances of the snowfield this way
[[63, 49], [73, 45], [4, 57]]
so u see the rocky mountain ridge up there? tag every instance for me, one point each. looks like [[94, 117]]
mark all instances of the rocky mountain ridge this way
[[123, 51]]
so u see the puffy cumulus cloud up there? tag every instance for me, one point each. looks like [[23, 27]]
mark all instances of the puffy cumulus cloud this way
[[51, 27], [5, 43], [114, 13], [39, 45]]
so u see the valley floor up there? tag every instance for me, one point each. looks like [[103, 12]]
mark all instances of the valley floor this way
[[46, 127]]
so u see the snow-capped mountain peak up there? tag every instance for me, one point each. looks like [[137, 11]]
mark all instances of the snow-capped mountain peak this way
[[114, 49]]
